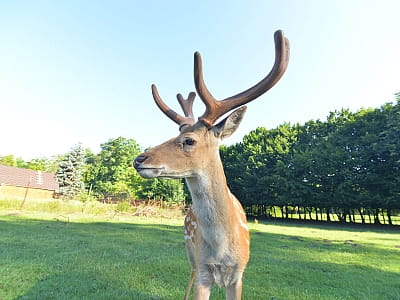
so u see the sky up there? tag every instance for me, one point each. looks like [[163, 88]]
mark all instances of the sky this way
[[81, 71]]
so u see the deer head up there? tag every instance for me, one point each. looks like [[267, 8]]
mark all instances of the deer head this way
[[185, 155]]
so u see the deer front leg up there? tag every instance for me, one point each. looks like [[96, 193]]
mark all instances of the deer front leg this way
[[202, 292], [234, 291], [203, 284]]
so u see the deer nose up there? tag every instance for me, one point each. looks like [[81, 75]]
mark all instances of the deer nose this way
[[139, 160]]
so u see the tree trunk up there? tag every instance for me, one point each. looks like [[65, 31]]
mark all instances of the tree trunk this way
[[328, 216], [353, 214], [341, 216], [362, 215], [383, 216], [376, 216], [299, 212], [281, 209], [389, 215], [369, 216], [286, 212]]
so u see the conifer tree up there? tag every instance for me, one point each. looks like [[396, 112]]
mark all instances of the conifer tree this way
[[69, 173]]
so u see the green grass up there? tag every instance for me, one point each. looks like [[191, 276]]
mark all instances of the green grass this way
[[72, 255], [57, 206]]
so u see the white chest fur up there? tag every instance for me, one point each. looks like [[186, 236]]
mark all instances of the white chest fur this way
[[211, 223]]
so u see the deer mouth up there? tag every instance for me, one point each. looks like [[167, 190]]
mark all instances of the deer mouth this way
[[149, 172]]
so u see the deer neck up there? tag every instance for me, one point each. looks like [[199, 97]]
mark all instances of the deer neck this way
[[212, 199]]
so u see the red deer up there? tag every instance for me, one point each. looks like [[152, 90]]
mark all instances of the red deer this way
[[216, 233]]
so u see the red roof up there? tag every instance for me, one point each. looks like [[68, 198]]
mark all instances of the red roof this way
[[24, 177]]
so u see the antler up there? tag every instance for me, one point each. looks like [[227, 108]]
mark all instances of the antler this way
[[186, 105], [216, 108]]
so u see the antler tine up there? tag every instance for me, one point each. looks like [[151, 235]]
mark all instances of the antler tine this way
[[215, 108], [185, 104]]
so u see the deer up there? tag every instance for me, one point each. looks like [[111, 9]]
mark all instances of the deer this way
[[216, 234]]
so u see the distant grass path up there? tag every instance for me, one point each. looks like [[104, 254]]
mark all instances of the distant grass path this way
[[78, 256]]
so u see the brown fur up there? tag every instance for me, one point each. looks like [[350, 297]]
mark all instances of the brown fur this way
[[216, 235]]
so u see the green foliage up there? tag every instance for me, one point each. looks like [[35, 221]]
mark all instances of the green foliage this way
[[38, 164], [163, 189], [110, 172], [348, 163], [8, 160], [108, 175], [86, 196], [124, 207], [112, 176], [69, 173]]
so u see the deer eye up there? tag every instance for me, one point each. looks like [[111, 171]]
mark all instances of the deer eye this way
[[189, 142]]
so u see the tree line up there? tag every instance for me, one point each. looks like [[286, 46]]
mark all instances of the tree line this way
[[106, 176], [111, 176], [341, 169]]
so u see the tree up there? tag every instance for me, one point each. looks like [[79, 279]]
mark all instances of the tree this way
[[349, 162], [252, 167], [389, 152], [8, 160], [42, 164], [163, 189], [111, 175], [69, 173], [236, 172], [110, 172], [37, 164]]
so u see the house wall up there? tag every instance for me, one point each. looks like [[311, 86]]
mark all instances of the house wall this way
[[18, 193]]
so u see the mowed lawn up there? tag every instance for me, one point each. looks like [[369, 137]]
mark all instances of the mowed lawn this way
[[77, 256]]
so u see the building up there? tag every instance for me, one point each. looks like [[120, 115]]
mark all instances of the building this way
[[16, 183]]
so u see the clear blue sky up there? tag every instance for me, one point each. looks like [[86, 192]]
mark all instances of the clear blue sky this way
[[80, 71]]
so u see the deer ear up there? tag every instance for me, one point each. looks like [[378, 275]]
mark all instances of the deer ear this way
[[228, 126]]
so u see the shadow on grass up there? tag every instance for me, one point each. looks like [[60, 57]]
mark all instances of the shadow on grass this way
[[297, 267], [61, 260], [104, 260]]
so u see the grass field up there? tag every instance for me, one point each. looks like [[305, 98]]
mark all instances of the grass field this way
[[66, 254]]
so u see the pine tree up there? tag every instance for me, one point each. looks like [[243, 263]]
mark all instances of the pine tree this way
[[69, 174]]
